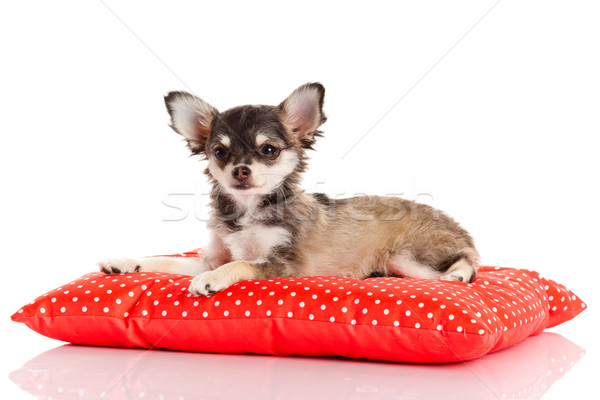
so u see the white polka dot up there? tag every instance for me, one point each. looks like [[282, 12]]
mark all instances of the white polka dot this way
[[164, 313], [353, 322], [118, 301], [280, 302], [144, 287], [290, 314], [63, 309], [42, 310], [396, 323], [451, 317], [176, 303], [84, 308], [481, 331], [226, 313], [421, 305], [259, 302], [386, 311], [217, 303], [408, 313], [323, 306], [53, 299], [247, 313], [126, 314], [439, 327], [374, 322], [105, 309], [184, 314], [311, 317], [130, 294], [364, 311], [429, 315], [144, 312], [417, 325], [268, 313], [459, 329]]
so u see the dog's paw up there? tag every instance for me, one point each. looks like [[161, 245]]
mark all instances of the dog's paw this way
[[208, 283], [211, 282], [119, 265], [456, 276], [460, 271]]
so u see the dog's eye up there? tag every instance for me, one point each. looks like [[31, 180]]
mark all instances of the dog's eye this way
[[269, 151], [220, 153]]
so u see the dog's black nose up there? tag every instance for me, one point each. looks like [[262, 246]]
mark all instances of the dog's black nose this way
[[241, 173]]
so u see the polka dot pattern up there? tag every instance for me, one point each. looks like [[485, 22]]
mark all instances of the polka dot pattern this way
[[450, 320]]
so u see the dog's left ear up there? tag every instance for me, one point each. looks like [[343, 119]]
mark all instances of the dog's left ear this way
[[191, 117], [302, 112]]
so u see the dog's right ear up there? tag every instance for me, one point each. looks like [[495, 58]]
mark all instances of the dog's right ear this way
[[191, 117]]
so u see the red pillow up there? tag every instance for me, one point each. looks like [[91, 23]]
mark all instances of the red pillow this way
[[394, 319]]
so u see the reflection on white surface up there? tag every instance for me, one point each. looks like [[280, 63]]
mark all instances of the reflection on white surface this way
[[525, 371]]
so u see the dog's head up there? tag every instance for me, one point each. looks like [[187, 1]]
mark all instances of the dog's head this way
[[251, 150]]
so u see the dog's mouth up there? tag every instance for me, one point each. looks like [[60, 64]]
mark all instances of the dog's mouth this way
[[247, 186], [243, 186]]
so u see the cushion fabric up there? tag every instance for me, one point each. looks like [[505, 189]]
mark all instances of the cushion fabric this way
[[393, 319]]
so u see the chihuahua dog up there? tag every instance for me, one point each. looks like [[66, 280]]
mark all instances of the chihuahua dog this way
[[263, 225]]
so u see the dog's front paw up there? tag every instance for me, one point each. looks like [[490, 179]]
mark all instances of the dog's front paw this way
[[119, 265], [208, 283], [211, 282]]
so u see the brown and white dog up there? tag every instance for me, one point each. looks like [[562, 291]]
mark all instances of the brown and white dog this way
[[263, 225]]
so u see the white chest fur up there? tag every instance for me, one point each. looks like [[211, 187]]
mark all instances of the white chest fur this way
[[254, 242]]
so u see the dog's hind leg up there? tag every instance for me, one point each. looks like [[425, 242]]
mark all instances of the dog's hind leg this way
[[403, 264]]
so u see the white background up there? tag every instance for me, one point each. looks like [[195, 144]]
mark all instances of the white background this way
[[493, 120]]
